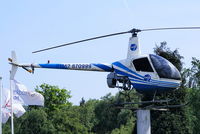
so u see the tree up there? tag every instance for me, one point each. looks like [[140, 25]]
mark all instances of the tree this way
[[54, 97], [192, 110], [35, 122], [87, 114], [125, 129], [67, 121], [194, 74], [108, 116], [193, 95], [172, 120]]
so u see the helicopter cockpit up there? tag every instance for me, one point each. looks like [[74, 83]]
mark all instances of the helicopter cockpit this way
[[163, 67]]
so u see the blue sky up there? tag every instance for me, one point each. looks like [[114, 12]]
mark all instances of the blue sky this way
[[26, 26]]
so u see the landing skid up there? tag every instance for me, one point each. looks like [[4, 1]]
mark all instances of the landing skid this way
[[153, 104], [146, 102], [158, 108]]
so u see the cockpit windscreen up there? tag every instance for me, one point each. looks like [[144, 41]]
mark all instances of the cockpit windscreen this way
[[164, 68]]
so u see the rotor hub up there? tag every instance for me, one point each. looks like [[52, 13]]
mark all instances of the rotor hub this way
[[134, 32]]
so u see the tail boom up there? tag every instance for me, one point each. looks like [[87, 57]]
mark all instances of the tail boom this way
[[72, 66]]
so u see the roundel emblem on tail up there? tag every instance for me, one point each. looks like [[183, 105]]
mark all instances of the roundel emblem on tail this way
[[133, 47]]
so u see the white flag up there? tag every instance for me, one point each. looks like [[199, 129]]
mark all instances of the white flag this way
[[5, 115], [18, 109], [6, 108], [22, 95]]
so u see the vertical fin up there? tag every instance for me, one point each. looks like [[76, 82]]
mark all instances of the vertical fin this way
[[133, 47]]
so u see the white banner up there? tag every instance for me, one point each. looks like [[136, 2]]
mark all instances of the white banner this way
[[25, 97], [6, 106], [18, 110], [5, 115]]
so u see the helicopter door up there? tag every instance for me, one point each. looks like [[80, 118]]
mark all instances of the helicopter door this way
[[143, 67]]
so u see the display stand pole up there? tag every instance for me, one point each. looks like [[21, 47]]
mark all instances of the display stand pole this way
[[143, 122]]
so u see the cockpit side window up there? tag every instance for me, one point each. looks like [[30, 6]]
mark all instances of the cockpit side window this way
[[142, 64]]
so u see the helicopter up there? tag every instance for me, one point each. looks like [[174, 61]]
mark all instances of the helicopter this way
[[148, 74]]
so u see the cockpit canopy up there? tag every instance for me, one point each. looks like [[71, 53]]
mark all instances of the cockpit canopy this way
[[163, 67]]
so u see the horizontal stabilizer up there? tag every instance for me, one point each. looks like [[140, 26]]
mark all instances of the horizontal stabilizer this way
[[27, 69]]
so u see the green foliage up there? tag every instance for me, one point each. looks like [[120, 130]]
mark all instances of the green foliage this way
[[106, 115], [173, 120], [125, 129], [6, 129], [192, 110], [192, 80], [67, 121], [193, 74], [54, 97], [87, 114], [109, 117], [35, 122]]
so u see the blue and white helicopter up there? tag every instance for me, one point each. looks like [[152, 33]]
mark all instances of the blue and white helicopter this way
[[147, 74]]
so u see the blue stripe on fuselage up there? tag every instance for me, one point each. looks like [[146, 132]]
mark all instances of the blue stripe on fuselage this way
[[126, 74], [120, 65], [53, 66], [104, 67]]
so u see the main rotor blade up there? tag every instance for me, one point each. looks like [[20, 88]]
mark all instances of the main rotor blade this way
[[98, 37], [171, 28], [131, 31]]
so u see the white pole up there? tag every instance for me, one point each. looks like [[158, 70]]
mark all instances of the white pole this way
[[0, 105], [11, 99], [12, 75], [143, 122]]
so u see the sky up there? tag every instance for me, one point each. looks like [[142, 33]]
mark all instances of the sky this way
[[26, 26]]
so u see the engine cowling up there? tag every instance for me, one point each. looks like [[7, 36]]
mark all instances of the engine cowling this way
[[113, 78]]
